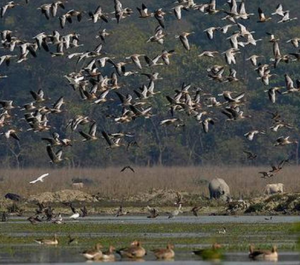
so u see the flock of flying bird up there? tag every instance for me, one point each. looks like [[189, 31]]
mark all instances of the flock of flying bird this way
[[98, 89]]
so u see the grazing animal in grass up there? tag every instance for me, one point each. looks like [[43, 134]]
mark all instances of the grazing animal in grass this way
[[218, 189], [274, 188]]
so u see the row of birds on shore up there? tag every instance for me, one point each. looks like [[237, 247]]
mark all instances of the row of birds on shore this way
[[46, 213], [102, 90]]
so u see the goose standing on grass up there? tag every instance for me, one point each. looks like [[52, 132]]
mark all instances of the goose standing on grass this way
[[222, 231], [41, 178], [53, 241]]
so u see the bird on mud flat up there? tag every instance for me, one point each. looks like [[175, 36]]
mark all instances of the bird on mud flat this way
[[222, 231], [34, 219], [179, 199], [175, 212], [153, 212], [58, 219], [75, 214], [84, 211], [4, 217], [121, 212], [53, 241], [267, 255], [195, 210]]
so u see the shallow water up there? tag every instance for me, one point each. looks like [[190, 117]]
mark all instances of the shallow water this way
[[37, 254], [71, 255], [180, 219]]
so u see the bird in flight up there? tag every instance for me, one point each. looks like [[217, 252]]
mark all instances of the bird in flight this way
[[127, 167], [41, 178]]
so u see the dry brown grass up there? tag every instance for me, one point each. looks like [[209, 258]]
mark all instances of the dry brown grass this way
[[110, 182]]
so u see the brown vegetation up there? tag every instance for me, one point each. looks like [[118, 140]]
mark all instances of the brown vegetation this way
[[111, 183]]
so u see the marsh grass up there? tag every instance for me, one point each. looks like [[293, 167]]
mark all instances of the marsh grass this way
[[238, 236], [111, 183]]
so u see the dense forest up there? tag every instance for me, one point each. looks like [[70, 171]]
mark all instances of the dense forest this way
[[146, 141]]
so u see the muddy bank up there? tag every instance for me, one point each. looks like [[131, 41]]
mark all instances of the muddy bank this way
[[286, 203]]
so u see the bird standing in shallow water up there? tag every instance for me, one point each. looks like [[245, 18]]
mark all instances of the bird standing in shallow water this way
[[258, 254]]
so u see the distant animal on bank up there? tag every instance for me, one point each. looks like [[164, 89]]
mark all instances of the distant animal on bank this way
[[218, 189], [274, 188], [78, 185], [12, 196]]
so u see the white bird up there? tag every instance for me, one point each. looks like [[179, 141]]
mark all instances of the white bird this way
[[75, 216], [175, 212], [41, 178], [222, 231]]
